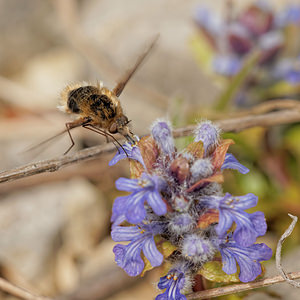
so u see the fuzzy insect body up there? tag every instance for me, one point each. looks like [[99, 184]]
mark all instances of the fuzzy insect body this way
[[97, 108]]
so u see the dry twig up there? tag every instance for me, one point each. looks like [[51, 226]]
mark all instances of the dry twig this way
[[279, 267], [285, 116], [242, 287], [18, 292]]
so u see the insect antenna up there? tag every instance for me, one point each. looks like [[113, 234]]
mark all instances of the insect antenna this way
[[126, 77], [106, 134]]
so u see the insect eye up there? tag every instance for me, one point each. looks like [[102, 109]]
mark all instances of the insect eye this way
[[113, 128]]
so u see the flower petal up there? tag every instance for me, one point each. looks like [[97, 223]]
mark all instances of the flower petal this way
[[119, 207], [259, 222], [135, 208], [153, 255], [129, 258], [245, 202], [128, 185], [228, 261], [231, 162], [156, 203], [124, 233]]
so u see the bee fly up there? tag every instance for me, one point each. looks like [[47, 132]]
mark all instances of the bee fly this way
[[97, 108]]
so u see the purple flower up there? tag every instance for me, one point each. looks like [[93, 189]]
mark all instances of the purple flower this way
[[173, 282], [239, 39], [208, 134], [231, 209], [128, 257], [248, 258], [212, 24], [132, 151], [146, 188], [231, 162], [162, 134], [288, 69], [289, 16], [227, 65]]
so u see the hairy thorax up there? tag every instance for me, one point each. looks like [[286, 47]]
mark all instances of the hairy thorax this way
[[96, 103]]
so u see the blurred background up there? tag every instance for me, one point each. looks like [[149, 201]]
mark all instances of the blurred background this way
[[55, 227]]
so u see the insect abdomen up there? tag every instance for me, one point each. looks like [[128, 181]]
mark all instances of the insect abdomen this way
[[103, 106], [78, 97]]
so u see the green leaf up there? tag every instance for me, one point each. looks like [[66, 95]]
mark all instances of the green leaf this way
[[164, 247], [213, 271]]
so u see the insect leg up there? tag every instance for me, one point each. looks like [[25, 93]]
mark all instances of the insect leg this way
[[69, 126], [106, 134]]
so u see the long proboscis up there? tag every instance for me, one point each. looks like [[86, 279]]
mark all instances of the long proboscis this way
[[126, 77]]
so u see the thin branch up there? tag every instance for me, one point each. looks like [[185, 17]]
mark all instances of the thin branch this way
[[242, 287], [279, 267], [18, 292], [55, 164], [285, 116]]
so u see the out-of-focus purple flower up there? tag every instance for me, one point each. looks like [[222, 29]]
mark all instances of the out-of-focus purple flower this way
[[227, 65], [248, 258], [145, 189], [239, 39], [162, 134], [288, 69], [271, 40], [173, 282], [231, 209], [208, 134], [232, 163], [258, 18], [212, 24], [132, 151], [270, 43], [196, 248], [288, 16], [141, 237], [293, 77]]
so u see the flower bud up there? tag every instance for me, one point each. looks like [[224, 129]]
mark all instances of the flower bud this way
[[197, 249], [202, 168], [162, 133], [181, 223], [181, 204], [180, 169], [209, 134]]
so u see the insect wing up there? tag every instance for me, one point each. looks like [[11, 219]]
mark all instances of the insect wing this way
[[123, 81]]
